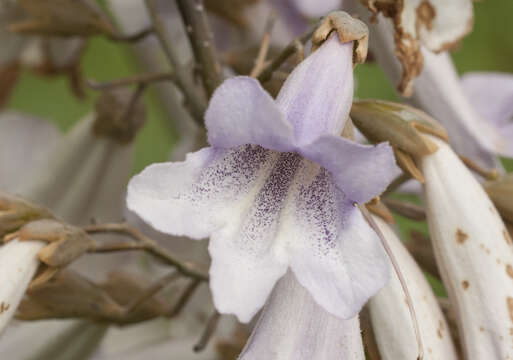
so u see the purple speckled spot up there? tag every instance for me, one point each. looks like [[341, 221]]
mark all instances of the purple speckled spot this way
[[230, 173], [321, 208], [262, 219]]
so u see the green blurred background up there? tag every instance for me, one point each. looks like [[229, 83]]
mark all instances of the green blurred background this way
[[488, 48]]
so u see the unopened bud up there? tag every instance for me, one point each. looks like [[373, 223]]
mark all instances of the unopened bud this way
[[66, 242], [118, 116], [62, 18], [16, 212], [67, 294]]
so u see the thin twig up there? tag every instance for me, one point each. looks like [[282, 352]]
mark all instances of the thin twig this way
[[132, 80], [406, 209], [289, 50], [212, 322], [492, 174], [184, 80], [400, 276], [143, 243], [264, 46], [396, 183], [201, 38], [140, 35], [152, 290], [132, 103], [184, 298]]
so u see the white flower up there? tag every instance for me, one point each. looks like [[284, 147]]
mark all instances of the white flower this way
[[471, 123], [18, 264], [474, 254], [390, 316]]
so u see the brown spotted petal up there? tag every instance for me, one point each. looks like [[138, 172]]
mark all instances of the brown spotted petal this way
[[474, 254], [390, 316], [438, 25]]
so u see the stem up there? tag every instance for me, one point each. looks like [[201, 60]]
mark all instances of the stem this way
[[132, 80], [184, 80], [143, 243], [152, 290], [264, 47], [200, 36], [289, 50], [208, 332], [184, 298], [140, 35]]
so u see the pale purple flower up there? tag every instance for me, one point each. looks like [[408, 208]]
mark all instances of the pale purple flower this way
[[276, 189], [293, 326]]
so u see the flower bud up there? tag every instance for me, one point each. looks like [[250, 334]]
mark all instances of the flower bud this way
[[66, 242], [15, 212], [62, 18]]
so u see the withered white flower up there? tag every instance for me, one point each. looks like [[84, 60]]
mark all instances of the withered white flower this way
[[276, 190], [474, 254], [294, 326], [474, 132], [391, 318], [437, 25]]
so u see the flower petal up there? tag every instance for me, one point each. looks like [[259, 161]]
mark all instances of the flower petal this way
[[442, 24], [360, 171], [390, 316], [491, 94], [317, 96], [317, 8], [242, 112], [199, 195], [24, 143], [246, 254], [294, 326], [18, 264], [335, 254]]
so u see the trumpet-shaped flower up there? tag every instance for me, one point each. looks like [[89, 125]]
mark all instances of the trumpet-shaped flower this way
[[276, 189], [473, 253], [459, 105], [304, 329]]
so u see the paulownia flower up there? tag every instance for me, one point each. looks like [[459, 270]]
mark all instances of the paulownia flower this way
[[276, 190], [438, 90], [474, 254], [294, 326], [437, 25], [390, 316]]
